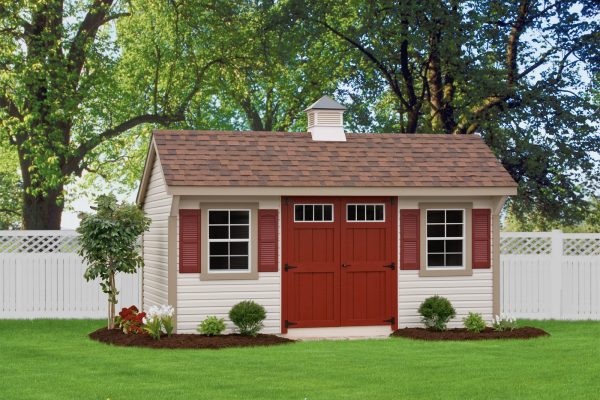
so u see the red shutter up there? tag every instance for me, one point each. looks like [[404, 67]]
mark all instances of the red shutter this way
[[409, 239], [481, 238], [189, 241], [268, 227]]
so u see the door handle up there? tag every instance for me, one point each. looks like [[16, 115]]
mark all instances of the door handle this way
[[345, 265]]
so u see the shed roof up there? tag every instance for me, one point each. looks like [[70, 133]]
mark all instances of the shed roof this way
[[283, 159]]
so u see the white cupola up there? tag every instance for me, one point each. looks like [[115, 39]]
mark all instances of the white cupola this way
[[326, 120]]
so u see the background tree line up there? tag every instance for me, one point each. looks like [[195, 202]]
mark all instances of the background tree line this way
[[82, 83]]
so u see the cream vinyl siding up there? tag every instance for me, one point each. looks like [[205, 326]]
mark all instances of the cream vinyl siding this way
[[466, 293], [198, 299], [157, 205]]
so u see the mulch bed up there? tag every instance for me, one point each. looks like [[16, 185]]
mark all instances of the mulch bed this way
[[185, 341], [526, 332]]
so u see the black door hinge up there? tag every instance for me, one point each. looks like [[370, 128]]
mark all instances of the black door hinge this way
[[390, 321], [289, 323], [391, 266], [288, 267]]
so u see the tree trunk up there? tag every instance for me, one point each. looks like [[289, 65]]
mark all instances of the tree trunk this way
[[43, 212], [111, 302]]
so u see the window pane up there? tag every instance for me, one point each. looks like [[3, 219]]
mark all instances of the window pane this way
[[454, 230], [379, 213], [218, 263], [370, 213], [435, 216], [435, 246], [239, 217], [239, 232], [435, 231], [238, 248], [308, 213], [328, 212], [435, 260], [454, 216], [298, 211], [318, 213], [454, 246], [360, 213], [238, 263], [218, 232], [352, 213], [454, 260], [219, 248], [218, 217]]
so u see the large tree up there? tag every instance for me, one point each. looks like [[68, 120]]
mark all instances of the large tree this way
[[76, 74], [513, 71]]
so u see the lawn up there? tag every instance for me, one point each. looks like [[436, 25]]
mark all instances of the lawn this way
[[49, 359]]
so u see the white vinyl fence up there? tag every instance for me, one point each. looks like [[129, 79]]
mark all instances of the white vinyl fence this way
[[543, 275], [550, 275], [41, 276]]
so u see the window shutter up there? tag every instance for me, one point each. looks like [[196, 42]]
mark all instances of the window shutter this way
[[189, 241], [268, 228], [481, 238], [409, 239]]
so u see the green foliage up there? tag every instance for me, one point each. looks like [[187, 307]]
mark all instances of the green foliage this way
[[153, 327], [109, 243], [10, 189], [503, 323], [248, 316], [435, 312], [532, 221], [212, 326], [474, 322]]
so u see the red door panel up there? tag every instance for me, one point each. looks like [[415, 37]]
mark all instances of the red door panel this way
[[367, 252], [312, 282], [337, 273]]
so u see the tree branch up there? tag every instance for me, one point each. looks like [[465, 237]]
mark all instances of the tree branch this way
[[379, 64]]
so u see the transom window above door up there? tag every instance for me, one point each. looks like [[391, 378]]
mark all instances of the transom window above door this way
[[313, 212], [365, 213], [228, 240], [445, 238]]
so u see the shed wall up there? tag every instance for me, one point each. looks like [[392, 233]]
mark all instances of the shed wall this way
[[157, 205], [198, 299], [467, 293]]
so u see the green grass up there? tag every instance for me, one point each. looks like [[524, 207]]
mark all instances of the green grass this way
[[50, 359]]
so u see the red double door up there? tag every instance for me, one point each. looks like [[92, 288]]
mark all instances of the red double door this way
[[339, 257]]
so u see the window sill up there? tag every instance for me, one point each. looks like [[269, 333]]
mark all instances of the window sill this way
[[223, 276], [445, 272]]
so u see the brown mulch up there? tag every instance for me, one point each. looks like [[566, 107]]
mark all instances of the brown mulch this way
[[526, 332], [185, 341]]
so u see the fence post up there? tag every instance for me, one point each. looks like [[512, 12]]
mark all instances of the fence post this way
[[556, 274]]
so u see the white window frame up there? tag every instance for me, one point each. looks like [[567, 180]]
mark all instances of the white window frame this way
[[249, 240], [315, 204], [365, 204], [444, 238]]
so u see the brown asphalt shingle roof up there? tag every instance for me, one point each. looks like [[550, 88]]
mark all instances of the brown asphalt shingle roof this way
[[214, 158]]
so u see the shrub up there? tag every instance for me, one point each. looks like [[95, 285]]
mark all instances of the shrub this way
[[212, 326], [248, 316], [474, 322], [436, 311], [130, 320], [503, 323]]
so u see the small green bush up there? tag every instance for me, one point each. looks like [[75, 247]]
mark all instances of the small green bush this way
[[436, 311], [474, 322], [212, 326], [248, 316]]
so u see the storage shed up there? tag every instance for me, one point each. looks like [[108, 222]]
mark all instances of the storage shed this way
[[327, 230]]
